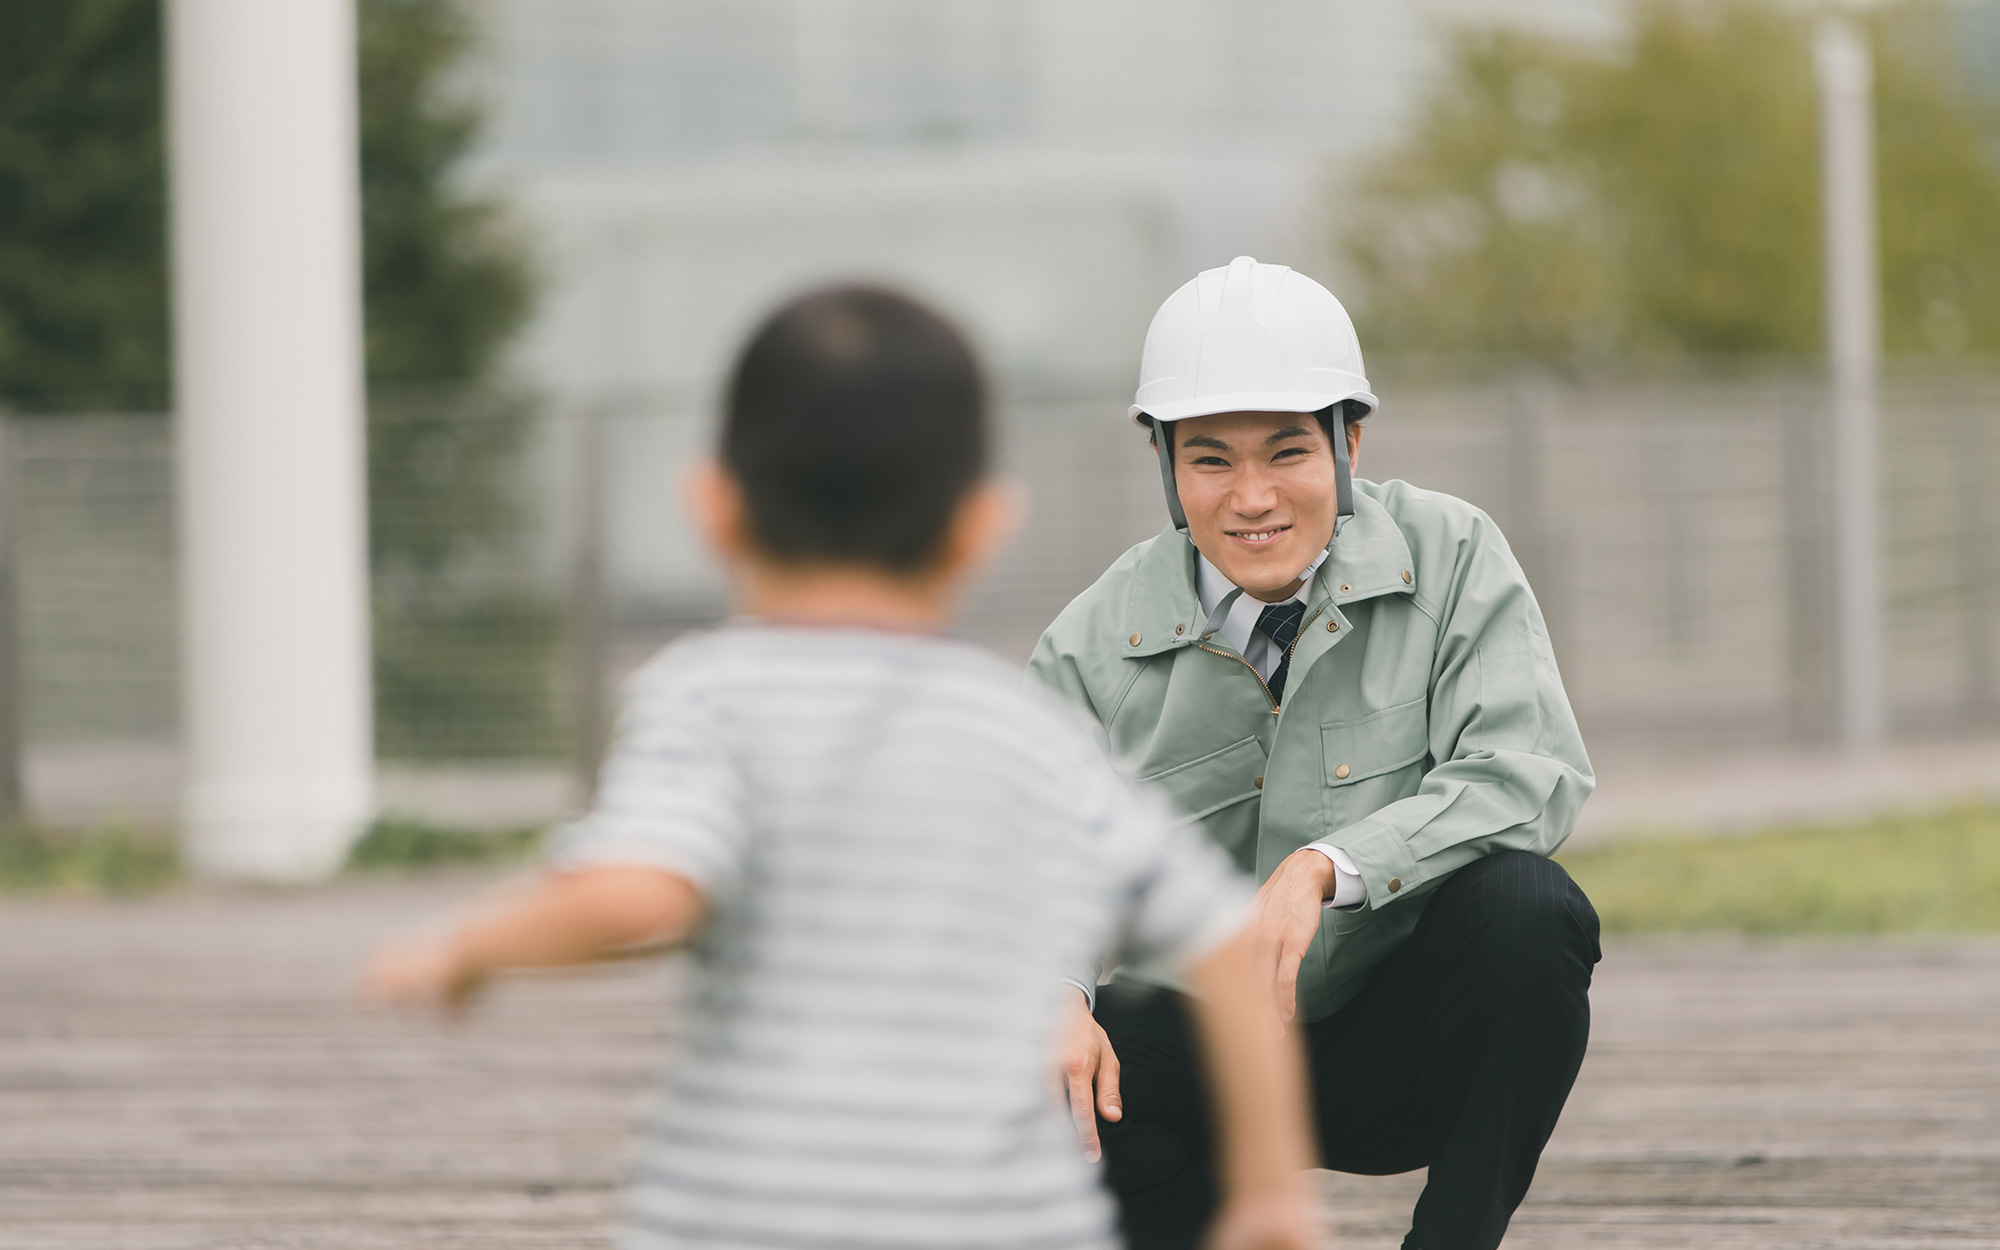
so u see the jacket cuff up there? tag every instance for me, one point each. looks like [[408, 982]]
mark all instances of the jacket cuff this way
[[1387, 869], [1089, 992], [1348, 888]]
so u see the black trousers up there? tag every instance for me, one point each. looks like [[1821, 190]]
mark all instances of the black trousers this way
[[1456, 1056]]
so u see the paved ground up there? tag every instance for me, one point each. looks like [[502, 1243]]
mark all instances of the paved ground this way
[[183, 1073]]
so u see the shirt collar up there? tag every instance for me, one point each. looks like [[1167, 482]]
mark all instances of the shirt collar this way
[[1238, 627]]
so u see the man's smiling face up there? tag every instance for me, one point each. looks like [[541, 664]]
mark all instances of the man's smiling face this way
[[1259, 492]]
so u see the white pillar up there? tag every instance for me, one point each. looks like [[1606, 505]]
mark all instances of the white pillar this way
[[268, 404], [1854, 348]]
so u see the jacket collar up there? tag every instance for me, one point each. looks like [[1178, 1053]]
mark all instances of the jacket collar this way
[[1370, 558]]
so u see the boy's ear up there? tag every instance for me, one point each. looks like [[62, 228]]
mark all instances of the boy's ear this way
[[716, 500], [985, 519]]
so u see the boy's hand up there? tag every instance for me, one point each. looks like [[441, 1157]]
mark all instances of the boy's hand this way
[[1275, 1219], [1089, 1074], [428, 974]]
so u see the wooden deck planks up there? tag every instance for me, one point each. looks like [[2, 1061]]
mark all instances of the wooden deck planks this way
[[184, 1072]]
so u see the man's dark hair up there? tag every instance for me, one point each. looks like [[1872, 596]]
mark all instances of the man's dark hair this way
[[856, 422]]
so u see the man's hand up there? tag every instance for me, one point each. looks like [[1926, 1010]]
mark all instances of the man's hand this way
[[1283, 919], [1089, 1074]]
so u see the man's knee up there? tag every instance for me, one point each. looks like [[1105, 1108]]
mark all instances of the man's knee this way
[[1516, 904], [1142, 1159]]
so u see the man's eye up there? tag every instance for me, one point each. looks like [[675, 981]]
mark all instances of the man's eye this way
[[1211, 460], [1289, 451]]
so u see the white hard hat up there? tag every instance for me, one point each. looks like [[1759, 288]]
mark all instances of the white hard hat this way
[[1249, 338]]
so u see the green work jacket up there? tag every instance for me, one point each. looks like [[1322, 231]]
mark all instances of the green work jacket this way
[[1424, 723]]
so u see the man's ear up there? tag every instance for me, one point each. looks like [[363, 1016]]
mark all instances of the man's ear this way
[[715, 498], [986, 517], [1353, 445]]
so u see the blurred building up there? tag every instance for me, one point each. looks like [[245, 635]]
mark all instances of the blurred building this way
[[1046, 169]]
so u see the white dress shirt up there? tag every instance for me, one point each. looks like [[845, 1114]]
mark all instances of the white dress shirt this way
[[1239, 630]]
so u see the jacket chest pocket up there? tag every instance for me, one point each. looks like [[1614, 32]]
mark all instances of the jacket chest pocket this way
[[1375, 760]]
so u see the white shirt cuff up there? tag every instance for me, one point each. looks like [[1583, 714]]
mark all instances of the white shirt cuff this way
[[1348, 889]]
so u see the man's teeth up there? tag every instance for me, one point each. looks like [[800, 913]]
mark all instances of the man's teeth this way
[[1258, 536]]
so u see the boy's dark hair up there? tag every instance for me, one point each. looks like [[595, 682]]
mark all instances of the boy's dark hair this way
[[856, 422]]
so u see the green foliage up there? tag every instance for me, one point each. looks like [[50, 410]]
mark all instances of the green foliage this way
[[109, 860], [1937, 873], [446, 280], [397, 845], [83, 297], [1562, 202]]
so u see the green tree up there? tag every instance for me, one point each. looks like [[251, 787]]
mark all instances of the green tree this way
[[83, 304], [1663, 199], [83, 272]]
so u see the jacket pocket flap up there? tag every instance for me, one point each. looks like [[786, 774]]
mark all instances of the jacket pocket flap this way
[[1382, 743], [1213, 782]]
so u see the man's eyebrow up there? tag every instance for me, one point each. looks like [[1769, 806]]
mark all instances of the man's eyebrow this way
[[1290, 431], [1208, 440]]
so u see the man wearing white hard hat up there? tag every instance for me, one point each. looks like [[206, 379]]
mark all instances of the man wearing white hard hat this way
[[1350, 687]]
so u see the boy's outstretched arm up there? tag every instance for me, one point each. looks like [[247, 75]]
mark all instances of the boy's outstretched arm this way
[[560, 919], [1258, 1079]]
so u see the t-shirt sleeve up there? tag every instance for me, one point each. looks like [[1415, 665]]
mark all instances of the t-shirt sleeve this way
[[669, 794], [1186, 896]]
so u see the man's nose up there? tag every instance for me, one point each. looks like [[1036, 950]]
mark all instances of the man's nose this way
[[1255, 494]]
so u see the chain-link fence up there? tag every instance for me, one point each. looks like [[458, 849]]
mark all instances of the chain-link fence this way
[[528, 554]]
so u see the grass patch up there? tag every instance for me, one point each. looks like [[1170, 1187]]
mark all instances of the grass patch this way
[[1934, 873], [114, 860], [109, 860], [397, 845]]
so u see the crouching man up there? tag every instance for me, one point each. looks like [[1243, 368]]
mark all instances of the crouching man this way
[[1350, 687]]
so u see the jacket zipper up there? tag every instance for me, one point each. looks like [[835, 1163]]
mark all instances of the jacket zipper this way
[[1289, 653]]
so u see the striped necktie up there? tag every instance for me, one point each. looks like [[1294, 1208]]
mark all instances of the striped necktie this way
[[1280, 623]]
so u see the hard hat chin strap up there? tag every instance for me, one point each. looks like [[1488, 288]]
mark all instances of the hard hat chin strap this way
[[1343, 474], [1163, 442]]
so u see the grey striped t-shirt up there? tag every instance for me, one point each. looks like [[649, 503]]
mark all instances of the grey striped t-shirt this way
[[905, 851]]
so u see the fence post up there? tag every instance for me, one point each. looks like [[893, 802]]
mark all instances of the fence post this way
[[11, 738], [1975, 562], [589, 628], [1527, 525], [1854, 345]]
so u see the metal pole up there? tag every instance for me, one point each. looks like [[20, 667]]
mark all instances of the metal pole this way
[[11, 740], [1854, 346], [589, 632], [268, 428]]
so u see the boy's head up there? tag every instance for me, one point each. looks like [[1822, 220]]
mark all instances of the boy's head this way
[[856, 425], [852, 479]]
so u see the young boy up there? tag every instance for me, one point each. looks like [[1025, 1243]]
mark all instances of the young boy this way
[[884, 853]]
